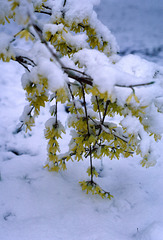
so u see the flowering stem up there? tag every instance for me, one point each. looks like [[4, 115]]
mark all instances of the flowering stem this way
[[90, 148]]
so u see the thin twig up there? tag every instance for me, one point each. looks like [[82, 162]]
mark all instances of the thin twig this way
[[98, 107], [75, 70], [64, 3], [15, 35], [41, 11], [29, 113], [23, 65], [72, 98], [101, 126], [85, 108], [103, 145], [31, 62], [106, 108], [81, 25], [23, 61], [46, 7], [56, 108], [135, 85], [90, 148]]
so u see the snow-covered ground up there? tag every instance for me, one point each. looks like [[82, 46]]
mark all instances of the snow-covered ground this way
[[137, 26], [38, 205]]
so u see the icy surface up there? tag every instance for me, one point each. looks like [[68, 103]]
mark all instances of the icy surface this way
[[36, 204]]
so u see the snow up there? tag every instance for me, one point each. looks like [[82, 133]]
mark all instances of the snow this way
[[137, 26], [56, 77], [5, 48], [37, 204], [82, 10], [52, 28]]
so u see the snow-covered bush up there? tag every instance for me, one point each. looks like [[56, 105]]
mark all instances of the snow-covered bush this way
[[115, 103]]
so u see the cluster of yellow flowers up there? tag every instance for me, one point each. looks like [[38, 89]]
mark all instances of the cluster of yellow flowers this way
[[94, 188], [52, 134]]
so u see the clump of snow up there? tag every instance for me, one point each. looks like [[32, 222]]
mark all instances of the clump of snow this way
[[125, 72], [39, 50], [52, 109], [45, 67], [50, 123], [98, 67], [76, 12], [79, 41], [105, 34], [30, 78], [4, 10], [55, 75], [83, 9], [5, 46], [25, 117], [154, 119], [138, 67], [52, 28]]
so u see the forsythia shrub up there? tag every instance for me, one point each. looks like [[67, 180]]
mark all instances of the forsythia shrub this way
[[73, 60]]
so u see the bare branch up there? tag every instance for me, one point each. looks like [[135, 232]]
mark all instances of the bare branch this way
[[24, 61], [135, 85], [64, 3], [44, 12], [22, 64], [46, 7], [98, 108], [75, 70]]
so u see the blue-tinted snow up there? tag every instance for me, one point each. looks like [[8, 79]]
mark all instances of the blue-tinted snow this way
[[137, 26]]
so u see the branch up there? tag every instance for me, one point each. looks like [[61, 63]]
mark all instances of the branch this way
[[26, 60], [75, 70], [135, 85], [41, 11], [46, 7], [22, 123], [88, 80], [22, 64], [98, 108], [85, 108], [123, 138], [110, 147], [101, 123], [106, 108], [81, 25], [56, 108], [72, 98], [90, 148], [64, 3], [23, 61], [111, 131]]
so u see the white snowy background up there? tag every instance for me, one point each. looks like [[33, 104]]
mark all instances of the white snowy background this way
[[38, 205]]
